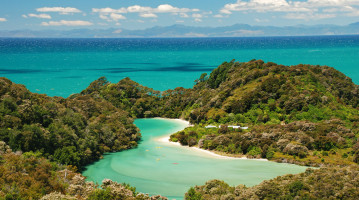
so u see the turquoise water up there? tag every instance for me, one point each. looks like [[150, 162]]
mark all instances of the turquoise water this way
[[158, 167], [60, 67]]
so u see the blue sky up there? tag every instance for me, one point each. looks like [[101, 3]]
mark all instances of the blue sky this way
[[140, 14]]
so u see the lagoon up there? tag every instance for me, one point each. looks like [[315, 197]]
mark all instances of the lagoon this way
[[160, 167]]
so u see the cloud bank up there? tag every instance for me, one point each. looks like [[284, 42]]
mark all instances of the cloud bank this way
[[61, 10], [309, 9], [67, 23]]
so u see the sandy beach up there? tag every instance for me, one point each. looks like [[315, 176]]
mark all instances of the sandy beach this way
[[166, 139]]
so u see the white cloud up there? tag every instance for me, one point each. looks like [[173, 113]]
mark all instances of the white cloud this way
[[61, 10], [286, 6], [164, 8], [265, 6], [307, 9], [148, 15], [137, 8], [307, 16], [184, 15], [355, 13], [67, 23], [104, 17], [179, 21], [261, 20], [41, 16], [111, 17], [116, 17], [3, 19], [144, 12], [225, 11], [117, 31], [218, 16], [196, 15], [109, 10]]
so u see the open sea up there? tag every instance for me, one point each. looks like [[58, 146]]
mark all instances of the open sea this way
[[61, 67]]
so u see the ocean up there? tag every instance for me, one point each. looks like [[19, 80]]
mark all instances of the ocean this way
[[61, 67]]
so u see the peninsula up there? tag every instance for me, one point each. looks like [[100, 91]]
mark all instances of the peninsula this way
[[303, 114]]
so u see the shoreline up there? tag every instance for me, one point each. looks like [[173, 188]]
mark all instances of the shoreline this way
[[166, 139], [179, 121]]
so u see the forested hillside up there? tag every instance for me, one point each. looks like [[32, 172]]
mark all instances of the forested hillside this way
[[301, 114], [326, 183], [30, 176], [73, 131]]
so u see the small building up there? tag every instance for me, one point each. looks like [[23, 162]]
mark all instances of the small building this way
[[211, 126], [244, 128], [234, 127]]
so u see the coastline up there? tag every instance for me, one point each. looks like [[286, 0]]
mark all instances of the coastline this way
[[166, 139]]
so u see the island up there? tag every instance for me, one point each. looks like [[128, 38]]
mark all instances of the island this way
[[303, 114]]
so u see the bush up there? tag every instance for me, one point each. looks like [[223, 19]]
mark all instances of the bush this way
[[270, 155], [254, 151], [192, 194]]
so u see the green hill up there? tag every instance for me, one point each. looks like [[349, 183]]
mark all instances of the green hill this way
[[294, 113], [74, 131], [301, 114]]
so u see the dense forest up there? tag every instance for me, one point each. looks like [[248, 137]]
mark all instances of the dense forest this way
[[301, 114], [73, 131]]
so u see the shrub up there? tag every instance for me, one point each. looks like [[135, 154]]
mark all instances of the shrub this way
[[254, 151]]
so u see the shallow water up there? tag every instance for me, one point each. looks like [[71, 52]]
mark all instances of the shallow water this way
[[158, 167]]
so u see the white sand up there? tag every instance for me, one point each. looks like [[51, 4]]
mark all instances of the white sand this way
[[179, 121], [166, 139]]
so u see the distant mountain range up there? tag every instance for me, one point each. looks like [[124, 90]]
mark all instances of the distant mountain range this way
[[236, 30]]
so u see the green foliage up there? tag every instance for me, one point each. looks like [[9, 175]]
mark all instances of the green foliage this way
[[324, 183], [67, 155], [74, 131], [219, 75], [30, 176], [291, 111], [192, 194], [254, 151], [101, 194], [295, 187], [270, 155], [30, 154]]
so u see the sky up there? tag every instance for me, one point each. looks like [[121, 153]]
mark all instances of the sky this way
[[141, 14]]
